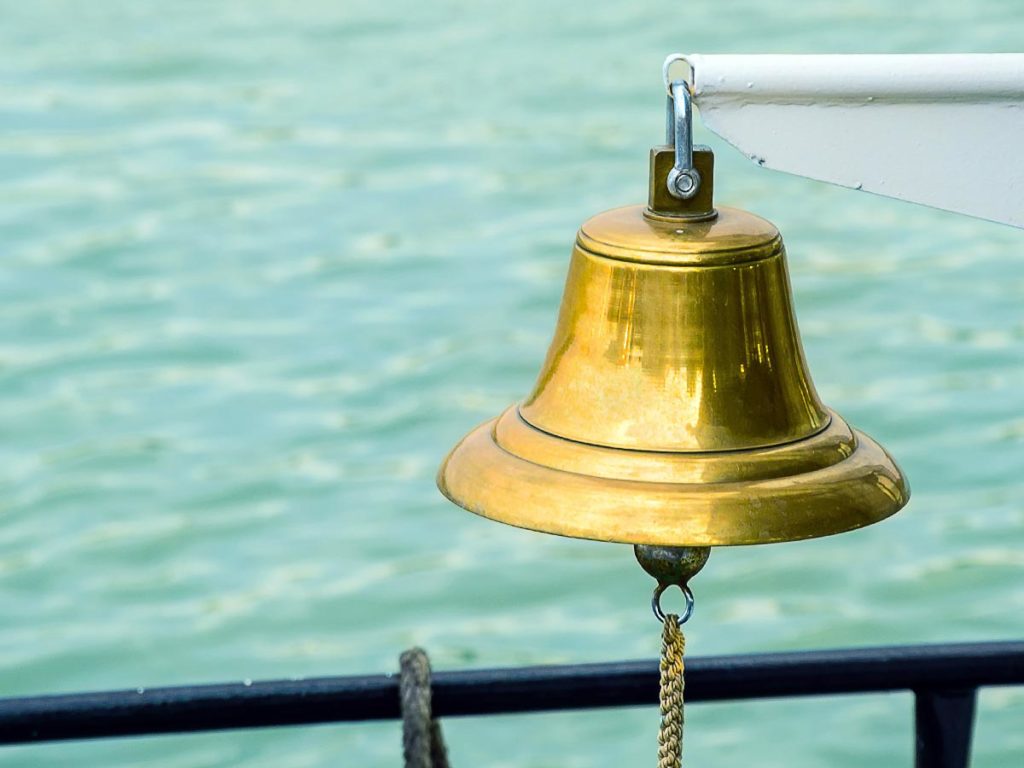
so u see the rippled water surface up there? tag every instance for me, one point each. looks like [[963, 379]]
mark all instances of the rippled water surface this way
[[264, 262]]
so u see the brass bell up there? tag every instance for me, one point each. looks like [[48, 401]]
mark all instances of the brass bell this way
[[675, 406]]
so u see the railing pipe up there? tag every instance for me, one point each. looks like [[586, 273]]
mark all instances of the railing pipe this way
[[930, 670]]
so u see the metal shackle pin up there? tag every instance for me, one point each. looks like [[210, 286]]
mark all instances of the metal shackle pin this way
[[683, 179]]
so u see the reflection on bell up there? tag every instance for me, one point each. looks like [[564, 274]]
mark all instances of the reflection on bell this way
[[675, 406]]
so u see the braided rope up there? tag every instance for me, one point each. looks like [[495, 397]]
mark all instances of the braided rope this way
[[422, 741], [670, 736]]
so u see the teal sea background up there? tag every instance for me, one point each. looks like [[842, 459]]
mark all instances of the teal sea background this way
[[263, 263]]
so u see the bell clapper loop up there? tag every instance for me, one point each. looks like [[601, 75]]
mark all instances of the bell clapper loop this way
[[659, 614], [683, 179], [671, 566]]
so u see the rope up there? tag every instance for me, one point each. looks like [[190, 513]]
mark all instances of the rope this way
[[422, 742], [670, 736]]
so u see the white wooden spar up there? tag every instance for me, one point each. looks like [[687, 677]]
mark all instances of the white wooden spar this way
[[941, 130]]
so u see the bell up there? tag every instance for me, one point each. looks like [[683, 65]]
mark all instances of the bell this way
[[675, 407]]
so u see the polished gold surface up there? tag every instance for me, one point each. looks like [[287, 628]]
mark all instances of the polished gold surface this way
[[675, 406], [676, 337], [838, 481]]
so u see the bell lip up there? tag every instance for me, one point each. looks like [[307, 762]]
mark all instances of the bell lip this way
[[863, 488]]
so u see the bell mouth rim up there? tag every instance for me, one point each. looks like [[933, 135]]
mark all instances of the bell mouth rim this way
[[861, 488]]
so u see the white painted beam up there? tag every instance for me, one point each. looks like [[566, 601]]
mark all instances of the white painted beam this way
[[940, 130]]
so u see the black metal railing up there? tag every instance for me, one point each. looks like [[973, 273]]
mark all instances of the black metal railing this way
[[943, 678]]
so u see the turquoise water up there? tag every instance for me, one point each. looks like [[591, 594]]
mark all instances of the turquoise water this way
[[264, 263]]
